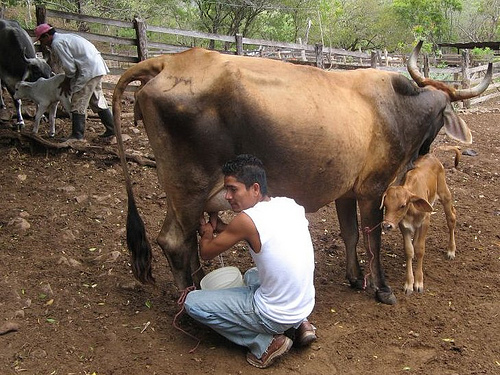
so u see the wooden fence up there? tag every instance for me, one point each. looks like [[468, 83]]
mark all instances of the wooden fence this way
[[146, 41]]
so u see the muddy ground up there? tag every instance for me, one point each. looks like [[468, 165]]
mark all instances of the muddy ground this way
[[73, 307]]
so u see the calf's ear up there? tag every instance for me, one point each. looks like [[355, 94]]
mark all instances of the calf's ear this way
[[421, 204]]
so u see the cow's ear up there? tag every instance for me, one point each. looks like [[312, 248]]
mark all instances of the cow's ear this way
[[382, 201], [455, 127], [420, 204]]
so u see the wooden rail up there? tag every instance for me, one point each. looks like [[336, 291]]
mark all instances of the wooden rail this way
[[121, 52]]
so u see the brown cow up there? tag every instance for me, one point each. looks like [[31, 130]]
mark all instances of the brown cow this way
[[323, 136], [409, 206]]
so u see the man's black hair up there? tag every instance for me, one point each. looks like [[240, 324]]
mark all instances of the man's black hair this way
[[248, 170]]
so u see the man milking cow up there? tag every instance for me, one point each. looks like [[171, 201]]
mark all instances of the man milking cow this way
[[279, 292], [84, 68]]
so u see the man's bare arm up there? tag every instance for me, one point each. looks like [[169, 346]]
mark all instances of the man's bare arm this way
[[239, 229]]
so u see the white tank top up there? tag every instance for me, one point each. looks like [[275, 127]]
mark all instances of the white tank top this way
[[285, 261]]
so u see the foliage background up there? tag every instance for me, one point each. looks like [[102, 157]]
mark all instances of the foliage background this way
[[351, 24]]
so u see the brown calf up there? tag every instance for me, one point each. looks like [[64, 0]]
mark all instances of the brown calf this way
[[409, 206]]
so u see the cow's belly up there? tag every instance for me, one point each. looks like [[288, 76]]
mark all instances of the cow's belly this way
[[314, 150], [313, 171], [313, 160]]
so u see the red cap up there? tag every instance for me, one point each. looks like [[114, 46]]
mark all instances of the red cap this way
[[42, 29]]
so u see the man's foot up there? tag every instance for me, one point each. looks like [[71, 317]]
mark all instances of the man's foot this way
[[71, 139], [279, 346], [106, 134], [305, 334]]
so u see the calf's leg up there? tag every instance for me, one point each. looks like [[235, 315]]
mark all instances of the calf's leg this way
[[419, 246], [451, 218], [409, 252], [40, 110], [52, 119]]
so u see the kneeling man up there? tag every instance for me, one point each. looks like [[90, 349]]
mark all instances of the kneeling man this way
[[279, 292]]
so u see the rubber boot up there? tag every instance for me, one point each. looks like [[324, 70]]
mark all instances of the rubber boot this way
[[107, 120], [78, 126]]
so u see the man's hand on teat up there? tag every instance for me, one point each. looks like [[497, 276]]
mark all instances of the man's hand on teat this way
[[206, 228]]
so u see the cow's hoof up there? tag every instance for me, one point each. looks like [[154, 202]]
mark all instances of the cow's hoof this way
[[419, 289], [408, 290], [17, 127], [357, 284], [450, 255], [386, 296]]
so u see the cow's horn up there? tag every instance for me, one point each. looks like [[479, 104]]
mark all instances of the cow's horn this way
[[412, 65], [26, 58], [477, 90], [455, 95]]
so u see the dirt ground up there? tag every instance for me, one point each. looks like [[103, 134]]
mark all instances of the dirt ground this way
[[73, 307]]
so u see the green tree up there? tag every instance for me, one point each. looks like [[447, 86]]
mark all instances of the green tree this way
[[274, 25], [428, 19], [490, 11], [480, 21], [229, 18], [353, 24]]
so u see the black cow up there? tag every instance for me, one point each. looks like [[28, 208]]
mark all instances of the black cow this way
[[18, 62]]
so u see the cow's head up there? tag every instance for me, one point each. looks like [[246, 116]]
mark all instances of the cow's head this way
[[453, 126], [396, 201], [36, 68], [453, 93]]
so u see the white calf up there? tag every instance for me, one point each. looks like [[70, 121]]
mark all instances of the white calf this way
[[46, 94], [409, 206]]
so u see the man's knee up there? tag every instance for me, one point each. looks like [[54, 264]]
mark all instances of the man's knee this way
[[251, 277], [190, 303], [194, 306]]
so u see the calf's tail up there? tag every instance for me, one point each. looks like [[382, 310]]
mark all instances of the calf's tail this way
[[455, 149], [137, 240]]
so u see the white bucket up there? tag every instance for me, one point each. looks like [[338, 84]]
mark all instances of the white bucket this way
[[221, 278]]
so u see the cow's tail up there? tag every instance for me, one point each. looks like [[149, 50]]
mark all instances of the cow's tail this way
[[137, 241]]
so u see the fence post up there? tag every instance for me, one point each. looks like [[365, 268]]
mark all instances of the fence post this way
[[465, 74], [142, 39], [373, 59], [41, 14], [426, 65], [239, 44], [318, 49], [41, 17], [302, 52]]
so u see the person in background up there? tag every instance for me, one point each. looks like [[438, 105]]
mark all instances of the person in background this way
[[84, 68], [279, 293]]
